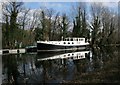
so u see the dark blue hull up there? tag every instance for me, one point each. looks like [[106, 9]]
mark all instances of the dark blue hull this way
[[50, 47], [31, 49]]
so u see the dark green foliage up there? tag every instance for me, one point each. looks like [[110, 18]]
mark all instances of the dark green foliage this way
[[95, 30], [38, 35], [64, 26], [80, 25]]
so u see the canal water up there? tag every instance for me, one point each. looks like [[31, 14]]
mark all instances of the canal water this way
[[89, 66]]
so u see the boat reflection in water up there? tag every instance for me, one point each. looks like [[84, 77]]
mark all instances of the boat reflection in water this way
[[72, 55], [57, 68]]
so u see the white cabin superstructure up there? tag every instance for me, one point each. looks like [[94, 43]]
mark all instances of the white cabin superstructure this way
[[67, 42]]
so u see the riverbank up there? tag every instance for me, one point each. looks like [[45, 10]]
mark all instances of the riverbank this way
[[108, 76]]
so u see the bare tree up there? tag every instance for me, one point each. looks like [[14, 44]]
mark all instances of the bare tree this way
[[23, 18], [109, 22], [103, 24], [55, 26], [50, 13]]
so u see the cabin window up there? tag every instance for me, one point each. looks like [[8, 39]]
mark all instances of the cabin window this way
[[64, 43], [65, 39], [81, 39], [68, 42], [72, 42], [77, 39], [68, 54], [71, 39]]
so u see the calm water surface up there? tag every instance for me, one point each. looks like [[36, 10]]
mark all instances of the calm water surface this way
[[34, 68]]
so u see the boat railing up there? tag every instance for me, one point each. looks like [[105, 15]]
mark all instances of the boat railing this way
[[74, 39]]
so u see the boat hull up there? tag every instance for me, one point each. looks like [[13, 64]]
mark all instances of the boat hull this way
[[51, 47], [31, 49]]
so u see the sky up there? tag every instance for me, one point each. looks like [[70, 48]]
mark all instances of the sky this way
[[62, 7], [66, 7]]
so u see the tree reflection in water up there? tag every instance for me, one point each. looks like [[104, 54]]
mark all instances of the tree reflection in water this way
[[34, 68], [11, 66]]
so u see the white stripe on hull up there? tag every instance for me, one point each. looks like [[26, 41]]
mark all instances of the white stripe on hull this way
[[80, 48]]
